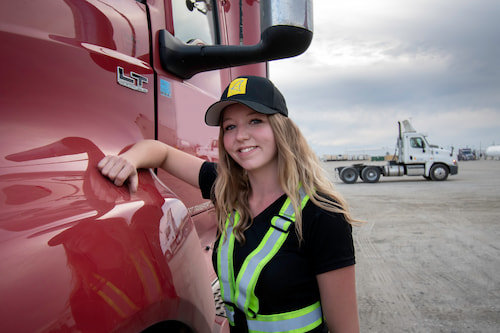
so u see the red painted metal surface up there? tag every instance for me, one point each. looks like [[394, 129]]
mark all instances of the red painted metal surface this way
[[76, 252]]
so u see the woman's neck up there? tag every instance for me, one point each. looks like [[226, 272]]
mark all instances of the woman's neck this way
[[265, 189]]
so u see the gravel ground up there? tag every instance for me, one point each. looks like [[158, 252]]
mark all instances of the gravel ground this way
[[428, 258]]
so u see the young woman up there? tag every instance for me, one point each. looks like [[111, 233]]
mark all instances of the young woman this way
[[284, 253]]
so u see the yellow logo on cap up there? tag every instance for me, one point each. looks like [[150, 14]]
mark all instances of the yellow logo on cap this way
[[237, 87]]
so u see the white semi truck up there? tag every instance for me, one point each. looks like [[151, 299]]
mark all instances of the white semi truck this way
[[414, 157]]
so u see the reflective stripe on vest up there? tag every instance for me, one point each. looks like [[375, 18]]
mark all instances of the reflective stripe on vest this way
[[225, 264], [241, 292], [303, 320]]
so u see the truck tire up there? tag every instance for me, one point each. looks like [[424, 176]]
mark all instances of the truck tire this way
[[439, 172], [349, 175], [370, 174]]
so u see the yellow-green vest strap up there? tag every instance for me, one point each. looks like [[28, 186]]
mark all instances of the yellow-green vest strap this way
[[299, 321], [225, 264]]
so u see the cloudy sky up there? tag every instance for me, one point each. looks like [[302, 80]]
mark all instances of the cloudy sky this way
[[372, 63]]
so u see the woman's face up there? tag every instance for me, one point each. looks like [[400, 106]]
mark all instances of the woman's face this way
[[248, 138]]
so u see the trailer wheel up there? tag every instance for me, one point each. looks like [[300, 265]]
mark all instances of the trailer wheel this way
[[370, 174], [439, 172], [349, 175]]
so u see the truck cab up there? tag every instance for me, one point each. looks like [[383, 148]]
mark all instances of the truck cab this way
[[87, 78]]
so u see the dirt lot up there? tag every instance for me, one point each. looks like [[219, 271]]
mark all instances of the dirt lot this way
[[428, 258]]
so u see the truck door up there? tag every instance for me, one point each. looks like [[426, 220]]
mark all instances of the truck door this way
[[418, 150]]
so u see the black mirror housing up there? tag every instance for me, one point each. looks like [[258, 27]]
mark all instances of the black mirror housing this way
[[277, 42]]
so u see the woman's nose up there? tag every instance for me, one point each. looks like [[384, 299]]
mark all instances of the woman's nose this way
[[242, 133]]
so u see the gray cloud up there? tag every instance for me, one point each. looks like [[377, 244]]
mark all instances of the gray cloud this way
[[372, 64]]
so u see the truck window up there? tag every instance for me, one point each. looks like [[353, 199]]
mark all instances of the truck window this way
[[417, 143], [194, 21]]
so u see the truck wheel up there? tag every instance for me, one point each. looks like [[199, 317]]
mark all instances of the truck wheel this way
[[370, 174], [349, 175], [439, 172]]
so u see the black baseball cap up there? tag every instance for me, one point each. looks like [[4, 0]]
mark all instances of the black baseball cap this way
[[258, 93]]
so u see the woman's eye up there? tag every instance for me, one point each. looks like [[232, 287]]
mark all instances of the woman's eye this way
[[256, 121], [228, 127]]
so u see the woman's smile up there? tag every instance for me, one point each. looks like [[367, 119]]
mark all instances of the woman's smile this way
[[246, 150]]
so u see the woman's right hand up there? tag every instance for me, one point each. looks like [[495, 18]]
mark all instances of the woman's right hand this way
[[120, 170], [147, 154]]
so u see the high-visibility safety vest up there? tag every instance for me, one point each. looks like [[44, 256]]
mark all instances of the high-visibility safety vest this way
[[239, 291]]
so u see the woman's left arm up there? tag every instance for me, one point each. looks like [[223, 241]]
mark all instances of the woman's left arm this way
[[338, 299]]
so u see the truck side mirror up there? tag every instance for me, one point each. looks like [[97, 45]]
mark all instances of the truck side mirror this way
[[286, 31]]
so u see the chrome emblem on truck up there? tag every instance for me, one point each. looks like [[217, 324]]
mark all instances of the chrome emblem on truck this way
[[134, 82]]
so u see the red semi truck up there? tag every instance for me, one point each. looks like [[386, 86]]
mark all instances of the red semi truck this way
[[83, 79]]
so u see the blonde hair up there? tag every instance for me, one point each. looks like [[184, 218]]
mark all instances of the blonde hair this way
[[298, 164]]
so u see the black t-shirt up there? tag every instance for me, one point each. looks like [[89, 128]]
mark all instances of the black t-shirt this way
[[288, 282]]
